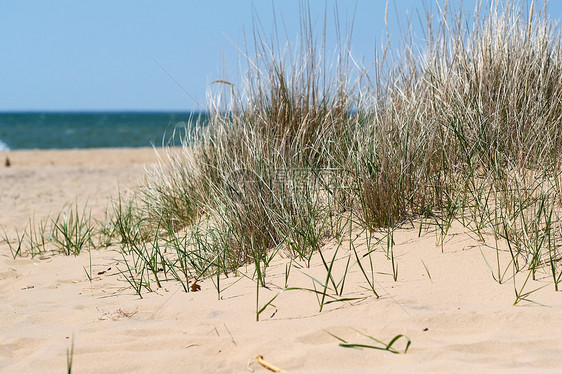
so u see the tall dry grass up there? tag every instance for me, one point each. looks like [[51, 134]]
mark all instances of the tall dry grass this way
[[310, 146], [479, 102]]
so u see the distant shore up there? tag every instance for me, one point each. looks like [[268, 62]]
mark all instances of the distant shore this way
[[89, 156]]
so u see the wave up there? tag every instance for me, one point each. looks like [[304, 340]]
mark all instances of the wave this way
[[3, 146]]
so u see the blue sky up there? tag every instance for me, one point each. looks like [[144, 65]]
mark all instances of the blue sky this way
[[98, 55]]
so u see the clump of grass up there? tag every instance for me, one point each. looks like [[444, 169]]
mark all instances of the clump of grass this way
[[70, 232], [305, 149], [452, 133], [17, 246]]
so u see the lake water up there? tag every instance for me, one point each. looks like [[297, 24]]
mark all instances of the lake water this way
[[72, 130]]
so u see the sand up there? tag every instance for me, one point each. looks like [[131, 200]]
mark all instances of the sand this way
[[459, 319]]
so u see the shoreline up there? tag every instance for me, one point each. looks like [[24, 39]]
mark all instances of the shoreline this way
[[94, 156]]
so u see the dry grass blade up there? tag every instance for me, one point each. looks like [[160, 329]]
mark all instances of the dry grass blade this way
[[268, 366]]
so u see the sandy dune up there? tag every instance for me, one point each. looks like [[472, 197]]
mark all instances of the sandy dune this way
[[459, 319]]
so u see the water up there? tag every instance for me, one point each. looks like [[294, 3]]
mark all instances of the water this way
[[72, 130]]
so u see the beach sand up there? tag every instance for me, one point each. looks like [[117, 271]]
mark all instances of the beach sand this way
[[459, 319]]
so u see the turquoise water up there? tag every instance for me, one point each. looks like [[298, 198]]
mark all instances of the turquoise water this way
[[72, 130]]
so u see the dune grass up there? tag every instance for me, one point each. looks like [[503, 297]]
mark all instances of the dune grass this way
[[309, 148], [381, 346], [70, 232], [306, 149]]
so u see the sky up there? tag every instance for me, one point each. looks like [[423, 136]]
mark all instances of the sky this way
[[69, 55]]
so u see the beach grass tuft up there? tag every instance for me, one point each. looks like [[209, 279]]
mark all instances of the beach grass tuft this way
[[308, 149]]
